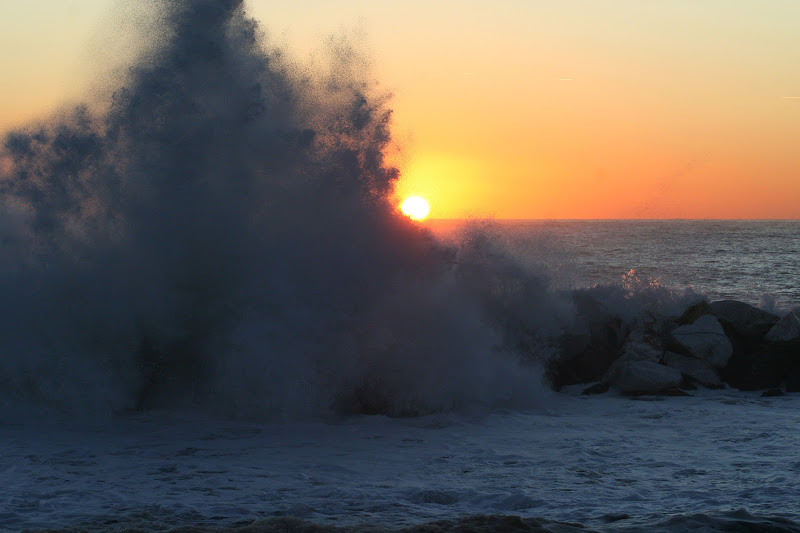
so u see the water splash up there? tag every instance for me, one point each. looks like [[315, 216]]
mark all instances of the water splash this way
[[223, 236]]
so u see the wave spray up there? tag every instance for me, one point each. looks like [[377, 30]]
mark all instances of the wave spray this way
[[223, 236]]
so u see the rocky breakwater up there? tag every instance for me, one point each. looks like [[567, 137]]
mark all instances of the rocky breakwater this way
[[712, 345]]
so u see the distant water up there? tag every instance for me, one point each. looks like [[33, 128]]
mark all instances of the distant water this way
[[754, 261]]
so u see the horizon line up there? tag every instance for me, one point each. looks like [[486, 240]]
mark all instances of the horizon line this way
[[508, 219]]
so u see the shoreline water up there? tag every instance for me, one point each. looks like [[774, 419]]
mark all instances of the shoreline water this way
[[719, 460]]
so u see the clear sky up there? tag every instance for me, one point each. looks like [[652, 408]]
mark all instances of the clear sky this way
[[518, 108]]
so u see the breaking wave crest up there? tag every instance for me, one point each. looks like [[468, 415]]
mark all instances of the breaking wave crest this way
[[223, 235]]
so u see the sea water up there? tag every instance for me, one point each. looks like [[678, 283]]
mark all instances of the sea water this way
[[723, 461], [752, 261]]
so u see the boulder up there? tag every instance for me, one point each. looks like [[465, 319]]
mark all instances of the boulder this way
[[597, 388], [586, 351], [641, 377], [742, 318], [704, 339], [699, 370], [694, 312], [642, 346], [787, 329], [759, 362], [771, 392], [585, 358], [764, 367], [793, 379], [674, 392]]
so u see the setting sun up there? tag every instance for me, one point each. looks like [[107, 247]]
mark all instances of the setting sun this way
[[415, 208]]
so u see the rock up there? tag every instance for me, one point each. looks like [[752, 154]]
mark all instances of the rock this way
[[764, 367], [585, 358], [793, 380], [641, 346], [705, 339], [587, 350], [787, 329], [641, 377], [699, 370], [772, 392], [757, 363], [677, 391], [752, 365], [745, 319], [694, 312], [597, 388]]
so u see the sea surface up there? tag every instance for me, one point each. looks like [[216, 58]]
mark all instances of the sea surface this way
[[718, 461], [753, 261]]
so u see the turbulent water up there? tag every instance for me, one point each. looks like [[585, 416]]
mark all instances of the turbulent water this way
[[207, 290], [721, 461]]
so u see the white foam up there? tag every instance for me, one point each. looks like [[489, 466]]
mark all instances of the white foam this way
[[580, 460]]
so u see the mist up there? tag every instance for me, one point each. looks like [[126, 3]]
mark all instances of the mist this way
[[221, 235]]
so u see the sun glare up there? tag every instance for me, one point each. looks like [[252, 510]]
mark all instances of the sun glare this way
[[415, 208]]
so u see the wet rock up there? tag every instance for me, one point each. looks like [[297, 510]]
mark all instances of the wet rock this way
[[597, 388], [742, 318], [583, 358], [587, 351], [787, 330], [710, 344], [642, 346], [643, 342], [764, 367], [676, 391], [772, 392], [704, 339], [694, 312], [757, 363], [699, 370], [793, 379], [641, 377]]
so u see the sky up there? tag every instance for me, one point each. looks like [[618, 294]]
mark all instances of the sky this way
[[514, 108]]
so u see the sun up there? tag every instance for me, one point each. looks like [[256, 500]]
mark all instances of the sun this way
[[415, 208]]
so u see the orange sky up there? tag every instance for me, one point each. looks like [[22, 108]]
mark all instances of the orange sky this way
[[519, 109]]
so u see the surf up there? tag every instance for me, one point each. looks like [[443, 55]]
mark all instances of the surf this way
[[222, 235]]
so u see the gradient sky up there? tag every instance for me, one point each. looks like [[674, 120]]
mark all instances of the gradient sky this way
[[516, 108]]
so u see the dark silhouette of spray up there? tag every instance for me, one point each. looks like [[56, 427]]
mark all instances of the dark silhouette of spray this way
[[223, 236]]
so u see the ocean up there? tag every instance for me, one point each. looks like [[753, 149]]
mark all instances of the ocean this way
[[753, 261], [214, 318]]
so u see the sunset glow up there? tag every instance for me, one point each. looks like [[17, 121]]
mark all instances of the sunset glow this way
[[415, 208], [559, 109]]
